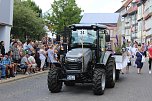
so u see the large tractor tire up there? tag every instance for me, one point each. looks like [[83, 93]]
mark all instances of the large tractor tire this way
[[54, 84], [99, 81], [117, 74], [69, 83], [111, 73]]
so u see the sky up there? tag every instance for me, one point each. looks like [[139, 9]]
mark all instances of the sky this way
[[88, 6]]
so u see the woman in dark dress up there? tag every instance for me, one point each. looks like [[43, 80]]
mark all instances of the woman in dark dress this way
[[139, 55]]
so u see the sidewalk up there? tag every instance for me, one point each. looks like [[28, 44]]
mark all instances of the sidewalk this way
[[21, 76]]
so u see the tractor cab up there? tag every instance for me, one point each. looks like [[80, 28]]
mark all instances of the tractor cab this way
[[92, 36]]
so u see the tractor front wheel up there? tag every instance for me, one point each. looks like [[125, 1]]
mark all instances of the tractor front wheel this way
[[111, 73], [99, 80], [54, 84]]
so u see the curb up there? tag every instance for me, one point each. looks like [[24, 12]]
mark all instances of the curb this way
[[21, 77]]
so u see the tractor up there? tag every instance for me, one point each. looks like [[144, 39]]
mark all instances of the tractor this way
[[87, 60]]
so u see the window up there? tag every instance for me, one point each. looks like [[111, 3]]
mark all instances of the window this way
[[102, 39], [85, 36]]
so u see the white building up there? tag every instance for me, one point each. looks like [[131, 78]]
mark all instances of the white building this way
[[6, 20], [128, 24], [147, 16]]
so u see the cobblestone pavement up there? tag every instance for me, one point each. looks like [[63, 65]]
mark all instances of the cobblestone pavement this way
[[20, 76], [130, 87]]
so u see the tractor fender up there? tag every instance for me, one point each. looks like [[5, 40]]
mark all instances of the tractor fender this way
[[106, 57]]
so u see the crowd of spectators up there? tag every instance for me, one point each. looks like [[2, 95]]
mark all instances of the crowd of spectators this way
[[27, 58]]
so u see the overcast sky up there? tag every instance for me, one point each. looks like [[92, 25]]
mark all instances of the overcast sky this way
[[89, 6]]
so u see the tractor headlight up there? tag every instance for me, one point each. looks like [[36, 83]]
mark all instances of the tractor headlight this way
[[73, 59], [70, 59]]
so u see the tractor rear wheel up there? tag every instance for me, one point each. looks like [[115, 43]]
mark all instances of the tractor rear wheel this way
[[117, 74], [54, 84], [111, 73], [99, 80]]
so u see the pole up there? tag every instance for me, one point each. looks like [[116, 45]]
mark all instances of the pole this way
[[82, 51]]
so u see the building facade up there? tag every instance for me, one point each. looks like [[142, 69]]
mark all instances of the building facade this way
[[147, 17], [136, 20], [129, 25], [6, 20]]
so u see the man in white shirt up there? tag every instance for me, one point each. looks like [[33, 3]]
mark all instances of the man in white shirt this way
[[25, 64], [32, 61], [134, 50]]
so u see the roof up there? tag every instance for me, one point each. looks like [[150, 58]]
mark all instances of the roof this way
[[100, 18], [132, 10], [88, 25], [127, 3], [124, 5]]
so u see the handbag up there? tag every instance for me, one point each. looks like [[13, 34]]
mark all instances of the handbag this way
[[143, 58]]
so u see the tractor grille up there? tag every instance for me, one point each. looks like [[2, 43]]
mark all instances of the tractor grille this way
[[73, 66]]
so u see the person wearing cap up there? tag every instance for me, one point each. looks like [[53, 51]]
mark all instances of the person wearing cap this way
[[15, 54], [25, 63], [32, 61]]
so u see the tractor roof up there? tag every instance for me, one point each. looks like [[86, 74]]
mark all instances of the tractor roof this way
[[88, 26]]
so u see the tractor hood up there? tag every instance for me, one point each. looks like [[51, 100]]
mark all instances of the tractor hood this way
[[77, 52]]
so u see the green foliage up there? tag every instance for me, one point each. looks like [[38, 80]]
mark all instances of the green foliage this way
[[118, 50], [26, 22], [63, 13], [33, 6], [123, 45]]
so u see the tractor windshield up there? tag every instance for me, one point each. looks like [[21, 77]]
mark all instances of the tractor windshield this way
[[87, 37]]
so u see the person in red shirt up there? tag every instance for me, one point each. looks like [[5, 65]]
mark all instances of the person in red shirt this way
[[150, 56]]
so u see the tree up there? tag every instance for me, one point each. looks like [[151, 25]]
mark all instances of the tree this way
[[26, 22], [33, 6], [64, 13]]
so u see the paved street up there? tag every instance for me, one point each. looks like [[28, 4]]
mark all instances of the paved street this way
[[130, 87]]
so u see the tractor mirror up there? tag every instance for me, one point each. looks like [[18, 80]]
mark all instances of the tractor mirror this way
[[107, 38], [72, 27]]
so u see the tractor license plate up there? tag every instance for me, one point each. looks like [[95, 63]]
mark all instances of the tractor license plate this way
[[71, 77]]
